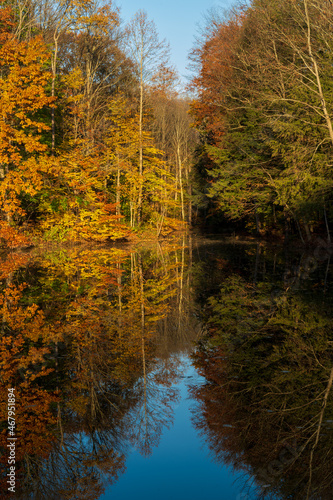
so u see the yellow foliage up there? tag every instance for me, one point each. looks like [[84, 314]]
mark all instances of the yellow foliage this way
[[82, 210]]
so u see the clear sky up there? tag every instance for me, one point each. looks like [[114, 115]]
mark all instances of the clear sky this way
[[175, 20]]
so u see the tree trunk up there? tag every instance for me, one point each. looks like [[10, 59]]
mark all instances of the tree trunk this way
[[316, 73], [140, 139], [118, 191], [54, 74], [181, 183]]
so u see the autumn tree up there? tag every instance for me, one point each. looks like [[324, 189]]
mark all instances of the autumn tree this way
[[69, 154], [23, 83], [75, 205], [147, 52], [212, 62], [121, 147], [173, 132]]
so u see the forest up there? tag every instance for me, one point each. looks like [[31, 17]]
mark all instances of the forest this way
[[263, 81], [99, 141], [95, 138]]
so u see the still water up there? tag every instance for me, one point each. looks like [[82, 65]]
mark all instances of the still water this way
[[193, 369], [181, 466]]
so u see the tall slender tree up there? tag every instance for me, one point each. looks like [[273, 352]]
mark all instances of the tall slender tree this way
[[147, 52]]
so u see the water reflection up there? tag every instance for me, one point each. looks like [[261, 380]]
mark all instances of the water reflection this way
[[267, 405], [91, 341]]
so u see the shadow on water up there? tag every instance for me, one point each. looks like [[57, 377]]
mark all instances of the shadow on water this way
[[94, 343]]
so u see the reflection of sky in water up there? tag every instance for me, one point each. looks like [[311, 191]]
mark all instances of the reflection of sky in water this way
[[180, 468]]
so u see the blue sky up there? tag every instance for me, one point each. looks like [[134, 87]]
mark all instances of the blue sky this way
[[175, 20]]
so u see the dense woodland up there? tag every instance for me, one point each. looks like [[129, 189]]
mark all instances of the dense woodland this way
[[263, 80], [98, 141], [95, 137]]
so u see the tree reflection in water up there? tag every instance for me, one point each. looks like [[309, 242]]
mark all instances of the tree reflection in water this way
[[89, 340], [93, 341], [267, 406]]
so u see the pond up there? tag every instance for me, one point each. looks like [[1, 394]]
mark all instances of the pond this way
[[188, 369]]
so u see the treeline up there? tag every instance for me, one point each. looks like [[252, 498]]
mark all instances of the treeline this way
[[94, 132], [264, 81]]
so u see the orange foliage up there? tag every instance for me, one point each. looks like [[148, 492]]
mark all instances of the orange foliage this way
[[23, 347], [10, 237], [23, 82], [13, 262], [214, 58], [29, 326], [6, 22]]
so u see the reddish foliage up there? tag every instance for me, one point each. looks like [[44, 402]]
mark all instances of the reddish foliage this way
[[215, 59]]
